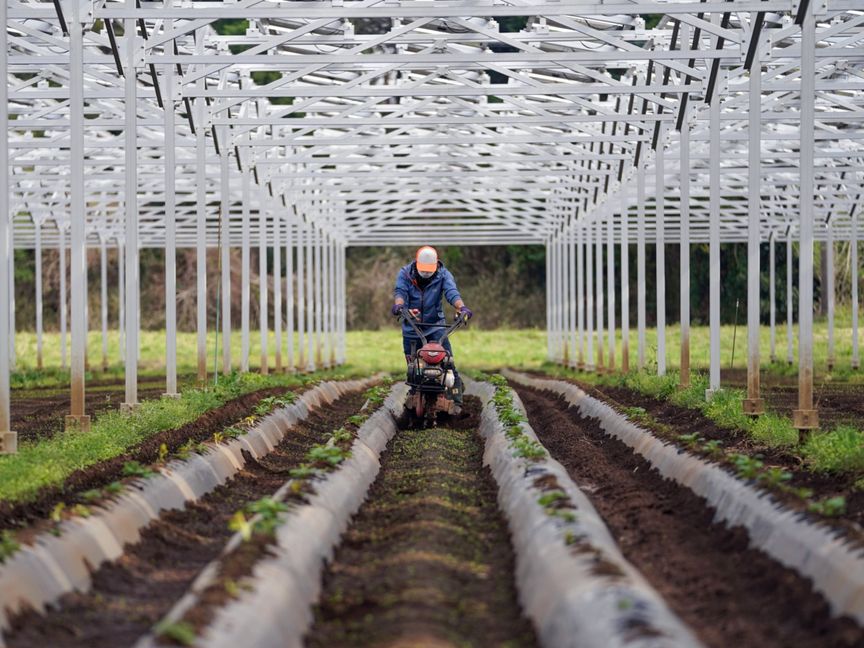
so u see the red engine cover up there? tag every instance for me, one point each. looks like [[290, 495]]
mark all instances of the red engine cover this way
[[432, 353]]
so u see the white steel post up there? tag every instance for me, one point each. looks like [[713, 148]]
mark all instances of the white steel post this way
[[289, 293], [660, 218], [754, 404], [103, 297], [598, 242], [789, 311], [131, 224], [806, 417], [325, 301], [829, 290], [589, 296], [38, 279], [170, 228], [8, 438], [580, 291], [772, 297], [548, 259], [625, 283], [319, 298], [310, 300], [201, 220], [61, 250], [853, 244], [343, 297], [329, 303], [277, 288], [263, 286], [245, 272], [610, 282], [684, 263], [301, 296], [572, 296], [714, 244], [640, 265], [121, 294], [77, 419], [225, 249]]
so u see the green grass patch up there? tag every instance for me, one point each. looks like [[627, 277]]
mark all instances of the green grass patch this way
[[839, 451]]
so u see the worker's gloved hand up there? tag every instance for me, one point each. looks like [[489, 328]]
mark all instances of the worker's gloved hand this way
[[397, 309], [466, 312]]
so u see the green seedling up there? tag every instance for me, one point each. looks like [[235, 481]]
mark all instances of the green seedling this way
[[511, 417], [713, 448], [775, 477], [528, 449], [552, 498], [376, 395], [746, 466], [637, 414], [56, 515], [114, 487], [218, 437], [91, 495], [265, 405], [830, 507], [232, 433], [8, 546], [691, 440], [135, 469], [358, 419], [186, 449], [180, 632], [163, 453], [239, 524], [81, 510], [328, 455], [303, 471], [341, 435]]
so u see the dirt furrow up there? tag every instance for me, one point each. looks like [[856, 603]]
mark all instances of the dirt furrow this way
[[729, 594], [129, 596], [427, 561], [15, 515]]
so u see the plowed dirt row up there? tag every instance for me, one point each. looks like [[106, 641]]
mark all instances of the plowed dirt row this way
[[427, 561], [19, 514], [129, 596], [729, 594]]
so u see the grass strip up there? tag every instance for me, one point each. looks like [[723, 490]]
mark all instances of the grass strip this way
[[839, 451], [50, 461]]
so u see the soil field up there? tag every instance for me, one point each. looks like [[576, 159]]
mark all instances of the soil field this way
[[729, 594], [36, 417], [20, 514], [681, 420], [427, 561], [131, 595]]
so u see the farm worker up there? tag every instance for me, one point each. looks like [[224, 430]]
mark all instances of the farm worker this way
[[420, 286]]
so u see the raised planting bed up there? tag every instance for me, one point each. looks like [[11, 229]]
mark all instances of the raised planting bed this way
[[60, 560], [427, 561], [688, 525], [575, 585], [260, 591]]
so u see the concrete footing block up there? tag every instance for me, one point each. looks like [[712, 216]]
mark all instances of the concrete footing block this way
[[8, 442]]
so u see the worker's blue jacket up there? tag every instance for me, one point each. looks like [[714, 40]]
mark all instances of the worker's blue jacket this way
[[427, 299]]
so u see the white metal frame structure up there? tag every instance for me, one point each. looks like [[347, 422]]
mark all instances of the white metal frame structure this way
[[135, 124]]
